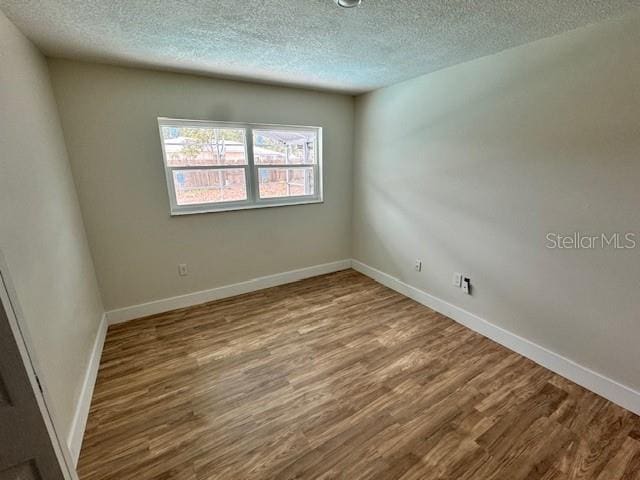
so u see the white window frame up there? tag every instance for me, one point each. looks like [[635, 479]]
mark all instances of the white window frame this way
[[251, 169]]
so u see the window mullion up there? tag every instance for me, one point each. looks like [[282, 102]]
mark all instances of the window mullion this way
[[207, 167], [286, 165], [317, 176], [251, 176]]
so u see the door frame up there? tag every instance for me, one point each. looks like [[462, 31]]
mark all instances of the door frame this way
[[18, 326]]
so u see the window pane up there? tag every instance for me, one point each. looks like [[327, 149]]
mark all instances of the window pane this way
[[209, 186], [282, 147], [286, 182], [202, 146]]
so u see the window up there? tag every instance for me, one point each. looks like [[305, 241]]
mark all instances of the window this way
[[216, 166]]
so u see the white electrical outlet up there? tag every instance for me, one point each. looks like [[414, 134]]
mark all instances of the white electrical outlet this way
[[418, 265], [457, 280], [183, 270], [466, 285]]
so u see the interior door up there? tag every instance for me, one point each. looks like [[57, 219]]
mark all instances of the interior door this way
[[29, 449]]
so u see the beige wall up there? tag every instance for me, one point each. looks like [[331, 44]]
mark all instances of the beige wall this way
[[467, 169], [109, 118], [41, 231], [470, 167]]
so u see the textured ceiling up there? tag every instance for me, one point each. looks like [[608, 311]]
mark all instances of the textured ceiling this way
[[310, 43]]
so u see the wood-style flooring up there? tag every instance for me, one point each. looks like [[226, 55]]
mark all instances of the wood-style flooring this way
[[338, 377]]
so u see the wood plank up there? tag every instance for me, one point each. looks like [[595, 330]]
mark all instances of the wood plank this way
[[338, 377]]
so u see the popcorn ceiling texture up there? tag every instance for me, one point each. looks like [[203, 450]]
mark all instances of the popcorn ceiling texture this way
[[310, 43]]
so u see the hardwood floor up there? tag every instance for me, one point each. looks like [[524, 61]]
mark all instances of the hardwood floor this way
[[339, 377]]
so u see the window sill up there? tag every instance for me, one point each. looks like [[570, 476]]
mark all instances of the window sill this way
[[233, 208]]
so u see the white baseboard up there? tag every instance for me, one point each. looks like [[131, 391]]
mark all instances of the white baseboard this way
[[596, 382], [196, 298], [587, 378], [74, 442]]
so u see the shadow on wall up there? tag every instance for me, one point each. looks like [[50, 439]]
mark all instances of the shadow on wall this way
[[496, 154]]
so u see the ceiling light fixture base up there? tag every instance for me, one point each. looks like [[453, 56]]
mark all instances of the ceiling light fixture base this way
[[348, 3]]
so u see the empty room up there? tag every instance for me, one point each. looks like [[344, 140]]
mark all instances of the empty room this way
[[319, 239]]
